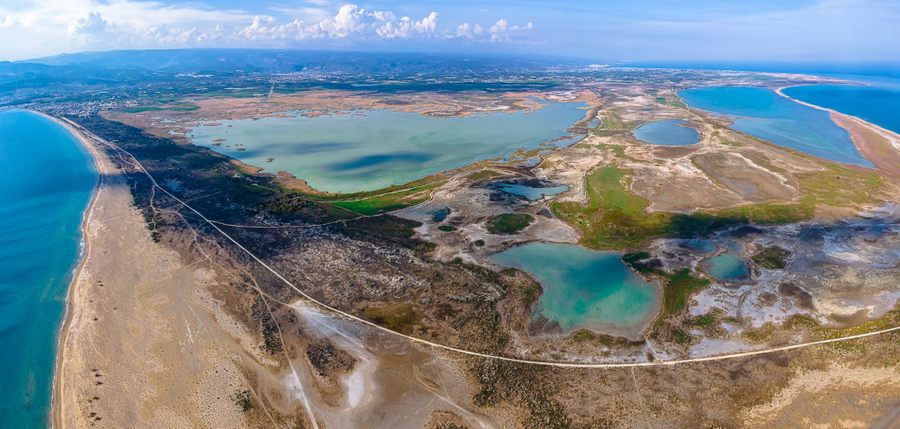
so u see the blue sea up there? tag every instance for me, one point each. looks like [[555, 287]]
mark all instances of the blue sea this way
[[762, 113], [878, 102], [48, 180]]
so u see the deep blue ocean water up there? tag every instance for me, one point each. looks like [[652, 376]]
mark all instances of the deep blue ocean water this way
[[763, 113], [878, 103], [47, 183]]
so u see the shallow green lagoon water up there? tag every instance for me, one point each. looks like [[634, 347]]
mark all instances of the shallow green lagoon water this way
[[372, 149], [584, 288], [667, 132], [762, 113], [48, 179]]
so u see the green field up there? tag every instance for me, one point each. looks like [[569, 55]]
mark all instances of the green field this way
[[509, 223], [616, 218], [388, 201]]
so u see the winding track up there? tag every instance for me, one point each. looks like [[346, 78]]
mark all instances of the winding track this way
[[215, 226]]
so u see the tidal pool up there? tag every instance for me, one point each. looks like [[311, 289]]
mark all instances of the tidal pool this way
[[532, 193], [727, 266], [667, 132], [762, 113], [372, 149], [585, 288]]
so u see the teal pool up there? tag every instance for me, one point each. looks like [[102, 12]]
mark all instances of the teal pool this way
[[585, 288], [727, 266], [372, 149], [531, 193], [667, 132], [762, 113], [47, 183]]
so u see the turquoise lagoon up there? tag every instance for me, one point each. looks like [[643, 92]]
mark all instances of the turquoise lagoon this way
[[667, 132], [372, 149], [48, 179], [764, 114], [584, 288], [878, 103]]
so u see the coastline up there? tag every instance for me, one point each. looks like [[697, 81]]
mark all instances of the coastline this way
[[144, 342], [877, 144], [70, 303]]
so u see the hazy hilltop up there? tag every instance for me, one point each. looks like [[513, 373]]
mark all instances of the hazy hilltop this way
[[231, 61]]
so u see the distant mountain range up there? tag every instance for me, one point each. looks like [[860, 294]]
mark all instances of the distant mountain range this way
[[229, 61]]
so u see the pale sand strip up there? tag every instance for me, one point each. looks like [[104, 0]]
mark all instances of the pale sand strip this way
[[148, 334]]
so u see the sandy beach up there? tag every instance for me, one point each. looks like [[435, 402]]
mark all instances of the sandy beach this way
[[142, 344]]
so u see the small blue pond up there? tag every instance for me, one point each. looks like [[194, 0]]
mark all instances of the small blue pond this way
[[727, 267], [668, 132]]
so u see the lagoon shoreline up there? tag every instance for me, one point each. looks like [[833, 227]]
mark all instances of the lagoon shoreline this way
[[877, 144]]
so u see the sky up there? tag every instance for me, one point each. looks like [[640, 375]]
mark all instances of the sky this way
[[618, 30]]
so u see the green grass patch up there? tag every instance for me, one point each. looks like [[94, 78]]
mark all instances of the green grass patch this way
[[681, 337], [530, 294], [583, 335], [616, 218], [703, 320], [389, 201], [839, 186], [677, 289], [483, 175], [446, 228], [611, 121], [761, 334], [674, 102], [509, 223], [396, 317], [772, 257]]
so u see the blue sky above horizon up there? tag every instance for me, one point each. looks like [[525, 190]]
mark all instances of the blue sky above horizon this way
[[657, 30]]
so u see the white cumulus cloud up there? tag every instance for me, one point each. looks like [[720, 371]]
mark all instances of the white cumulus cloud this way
[[34, 28], [93, 23], [501, 30], [350, 20]]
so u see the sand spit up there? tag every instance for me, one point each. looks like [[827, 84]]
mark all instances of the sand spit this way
[[139, 347]]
